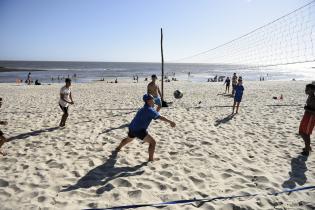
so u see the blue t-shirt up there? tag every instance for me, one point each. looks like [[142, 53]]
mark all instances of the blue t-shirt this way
[[239, 91], [143, 118]]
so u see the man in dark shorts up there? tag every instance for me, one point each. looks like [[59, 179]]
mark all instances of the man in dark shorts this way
[[308, 121], [227, 84], [139, 125], [64, 101], [2, 138]]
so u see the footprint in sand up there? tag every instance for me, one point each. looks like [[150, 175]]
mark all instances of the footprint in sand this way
[[166, 173], [135, 194], [3, 183], [144, 186]]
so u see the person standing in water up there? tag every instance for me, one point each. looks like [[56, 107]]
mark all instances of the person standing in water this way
[[154, 90], [139, 125], [64, 101], [239, 89]]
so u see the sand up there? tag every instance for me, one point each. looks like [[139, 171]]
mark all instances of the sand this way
[[208, 154]]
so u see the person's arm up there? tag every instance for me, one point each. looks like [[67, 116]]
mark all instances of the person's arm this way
[[63, 98], [71, 98], [167, 120]]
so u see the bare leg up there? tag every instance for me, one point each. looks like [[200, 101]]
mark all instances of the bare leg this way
[[233, 107], [2, 141], [123, 143], [237, 105], [307, 141], [152, 144], [63, 120]]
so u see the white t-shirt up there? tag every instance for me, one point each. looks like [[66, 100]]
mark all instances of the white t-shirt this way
[[66, 95]]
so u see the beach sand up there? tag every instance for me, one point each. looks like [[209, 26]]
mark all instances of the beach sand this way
[[208, 154]]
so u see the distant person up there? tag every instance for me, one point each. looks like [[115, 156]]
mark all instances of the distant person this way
[[137, 78], [116, 81], [37, 82], [154, 90], [64, 101], [28, 78], [139, 125], [239, 89], [308, 120], [227, 84], [234, 83], [2, 138]]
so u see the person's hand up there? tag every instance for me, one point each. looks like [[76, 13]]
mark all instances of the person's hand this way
[[72, 102], [172, 124]]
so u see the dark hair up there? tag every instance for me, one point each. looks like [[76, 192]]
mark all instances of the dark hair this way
[[310, 86], [153, 76], [68, 80]]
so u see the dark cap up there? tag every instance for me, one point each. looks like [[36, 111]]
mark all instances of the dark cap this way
[[68, 80], [153, 76]]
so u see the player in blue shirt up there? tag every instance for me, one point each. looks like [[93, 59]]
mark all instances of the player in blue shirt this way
[[238, 94], [139, 125]]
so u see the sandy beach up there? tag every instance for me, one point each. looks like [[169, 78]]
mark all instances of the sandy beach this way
[[210, 153]]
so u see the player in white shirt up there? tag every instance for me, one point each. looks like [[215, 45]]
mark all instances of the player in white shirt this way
[[65, 100]]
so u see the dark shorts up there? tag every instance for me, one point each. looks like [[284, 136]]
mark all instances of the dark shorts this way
[[64, 109], [307, 123], [1, 133], [139, 134], [238, 99]]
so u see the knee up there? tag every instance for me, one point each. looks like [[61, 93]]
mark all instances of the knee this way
[[65, 114]]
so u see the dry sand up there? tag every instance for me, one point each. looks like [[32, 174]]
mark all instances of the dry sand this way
[[208, 154]]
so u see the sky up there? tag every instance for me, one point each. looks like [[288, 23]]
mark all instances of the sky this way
[[127, 30]]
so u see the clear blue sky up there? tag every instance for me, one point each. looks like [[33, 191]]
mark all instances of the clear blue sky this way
[[127, 30]]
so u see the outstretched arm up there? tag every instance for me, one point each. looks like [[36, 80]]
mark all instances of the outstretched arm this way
[[167, 120]]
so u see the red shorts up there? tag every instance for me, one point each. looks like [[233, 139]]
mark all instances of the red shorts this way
[[307, 123]]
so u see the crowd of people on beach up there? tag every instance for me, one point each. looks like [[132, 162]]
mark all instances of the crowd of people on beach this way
[[140, 123]]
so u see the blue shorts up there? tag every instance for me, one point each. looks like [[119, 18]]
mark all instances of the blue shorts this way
[[157, 101], [238, 99], [139, 134]]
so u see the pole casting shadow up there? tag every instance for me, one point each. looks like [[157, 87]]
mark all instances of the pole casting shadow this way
[[32, 133], [105, 173]]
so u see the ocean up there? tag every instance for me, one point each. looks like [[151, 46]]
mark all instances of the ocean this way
[[50, 71]]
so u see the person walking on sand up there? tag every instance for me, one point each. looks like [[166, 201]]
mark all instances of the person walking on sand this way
[[234, 83], [154, 90], [227, 84], [64, 101], [139, 125], [308, 120], [2, 138], [239, 89]]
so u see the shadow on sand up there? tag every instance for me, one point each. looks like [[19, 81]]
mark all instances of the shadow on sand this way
[[224, 120], [105, 173], [297, 173], [32, 133], [111, 129]]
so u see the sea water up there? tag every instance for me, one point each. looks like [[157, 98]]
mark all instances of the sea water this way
[[50, 71]]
